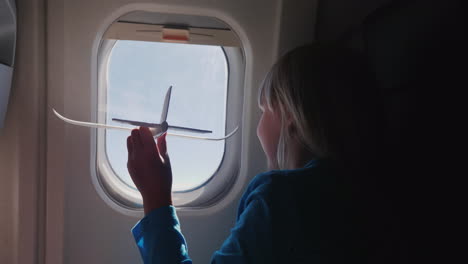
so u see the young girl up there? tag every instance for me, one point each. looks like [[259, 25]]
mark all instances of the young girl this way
[[319, 133]]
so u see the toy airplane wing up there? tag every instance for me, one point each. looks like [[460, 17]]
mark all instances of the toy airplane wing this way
[[167, 100], [160, 126], [156, 129]]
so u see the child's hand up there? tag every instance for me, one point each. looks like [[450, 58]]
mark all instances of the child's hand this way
[[150, 168]]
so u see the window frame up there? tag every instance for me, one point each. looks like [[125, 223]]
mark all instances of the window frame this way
[[218, 185]]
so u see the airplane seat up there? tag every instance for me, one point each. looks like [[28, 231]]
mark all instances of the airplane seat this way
[[416, 49], [413, 49]]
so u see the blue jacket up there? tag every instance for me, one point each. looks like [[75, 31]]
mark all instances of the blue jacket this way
[[160, 240], [321, 213]]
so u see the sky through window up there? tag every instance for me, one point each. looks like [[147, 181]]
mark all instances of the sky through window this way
[[139, 74]]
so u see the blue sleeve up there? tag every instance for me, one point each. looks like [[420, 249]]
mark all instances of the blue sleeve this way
[[159, 238], [250, 240]]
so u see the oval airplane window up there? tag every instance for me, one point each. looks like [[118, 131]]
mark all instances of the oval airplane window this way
[[140, 56], [138, 77]]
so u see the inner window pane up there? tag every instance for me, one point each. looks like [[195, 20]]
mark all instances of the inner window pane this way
[[139, 74]]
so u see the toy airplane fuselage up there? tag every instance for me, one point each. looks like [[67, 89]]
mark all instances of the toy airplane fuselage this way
[[157, 129]]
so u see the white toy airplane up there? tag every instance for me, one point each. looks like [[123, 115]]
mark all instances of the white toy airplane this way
[[156, 129]]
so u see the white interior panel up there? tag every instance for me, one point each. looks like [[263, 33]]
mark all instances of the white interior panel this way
[[92, 231]]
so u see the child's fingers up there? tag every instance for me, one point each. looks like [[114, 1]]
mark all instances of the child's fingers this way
[[162, 148], [131, 156], [147, 137], [136, 140], [130, 147]]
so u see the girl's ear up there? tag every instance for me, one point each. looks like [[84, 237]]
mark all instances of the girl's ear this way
[[291, 128], [289, 123]]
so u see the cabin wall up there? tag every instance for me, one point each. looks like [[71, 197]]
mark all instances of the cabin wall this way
[[336, 16], [86, 229], [297, 26], [8, 193], [22, 143]]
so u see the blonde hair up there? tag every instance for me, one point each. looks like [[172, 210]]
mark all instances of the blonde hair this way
[[327, 92]]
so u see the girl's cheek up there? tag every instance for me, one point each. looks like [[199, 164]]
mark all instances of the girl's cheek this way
[[259, 128], [261, 133], [258, 131]]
